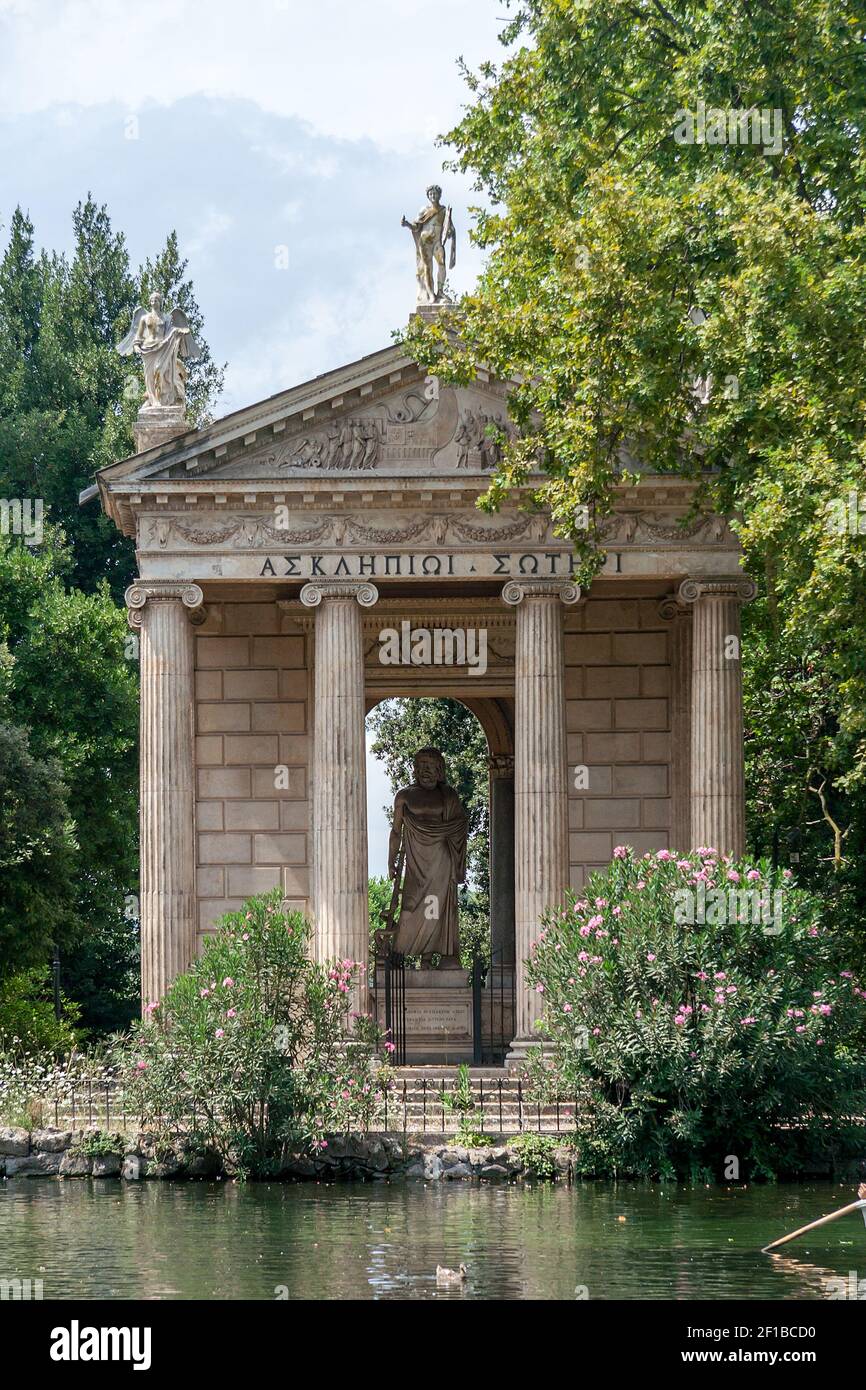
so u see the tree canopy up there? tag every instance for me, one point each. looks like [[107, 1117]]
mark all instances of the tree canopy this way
[[67, 399], [675, 240]]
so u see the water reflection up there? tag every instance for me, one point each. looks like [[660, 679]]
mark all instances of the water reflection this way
[[225, 1241]]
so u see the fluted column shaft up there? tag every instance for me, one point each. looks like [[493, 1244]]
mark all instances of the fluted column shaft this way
[[162, 613], [717, 783], [339, 776], [540, 778]]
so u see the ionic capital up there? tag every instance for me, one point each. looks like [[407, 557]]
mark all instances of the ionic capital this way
[[516, 590], [312, 594], [738, 587], [671, 608], [145, 591]]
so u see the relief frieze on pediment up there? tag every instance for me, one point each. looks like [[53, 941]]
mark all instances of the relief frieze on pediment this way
[[427, 426]]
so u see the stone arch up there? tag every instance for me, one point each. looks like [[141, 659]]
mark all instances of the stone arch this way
[[496, 717]]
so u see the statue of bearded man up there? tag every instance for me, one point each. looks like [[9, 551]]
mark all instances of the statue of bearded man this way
[[429, 833]]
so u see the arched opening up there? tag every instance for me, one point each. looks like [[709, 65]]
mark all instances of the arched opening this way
[[452, 1014]]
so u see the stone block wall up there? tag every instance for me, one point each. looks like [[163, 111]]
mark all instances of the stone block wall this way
[[617, 687], [252, 718]]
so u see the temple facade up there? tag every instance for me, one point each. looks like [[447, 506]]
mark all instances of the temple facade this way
[[277, 545]]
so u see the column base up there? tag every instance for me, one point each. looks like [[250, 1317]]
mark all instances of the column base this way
[[518, 1052]]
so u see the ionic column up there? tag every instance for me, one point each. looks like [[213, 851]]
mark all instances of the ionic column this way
[[680, 618], [339, 774], [717, 785], [162, 612], [540, 786]]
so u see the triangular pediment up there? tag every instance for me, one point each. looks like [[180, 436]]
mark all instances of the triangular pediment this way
[[382, 416]]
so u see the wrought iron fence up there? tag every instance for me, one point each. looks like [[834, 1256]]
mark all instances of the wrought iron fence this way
[[409, 1105], [502, 1105], [492, 1008]]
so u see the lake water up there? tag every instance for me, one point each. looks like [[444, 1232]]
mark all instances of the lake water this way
[[161, 1240]]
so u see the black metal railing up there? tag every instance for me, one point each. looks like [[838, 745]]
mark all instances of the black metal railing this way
[[501, 1106], [394, 988], [492, 983]]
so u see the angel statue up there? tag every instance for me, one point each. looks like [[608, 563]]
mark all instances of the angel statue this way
[[432, 231], [163, 342]]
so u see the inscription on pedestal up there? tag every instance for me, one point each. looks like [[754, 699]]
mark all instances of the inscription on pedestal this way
[[433, 1019]]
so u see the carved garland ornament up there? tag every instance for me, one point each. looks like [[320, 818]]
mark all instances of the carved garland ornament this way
[[252, 531]]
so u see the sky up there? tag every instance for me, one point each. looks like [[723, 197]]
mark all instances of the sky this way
[[282, 139]]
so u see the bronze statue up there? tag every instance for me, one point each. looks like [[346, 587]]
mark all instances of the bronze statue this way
[[428, 836]]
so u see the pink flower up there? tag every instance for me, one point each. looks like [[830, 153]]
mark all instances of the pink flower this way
[[141, 1066], [231, 1013], [732, 876], [203, 993], [585, 931], [390, 1047], [650, 956], [566, 1008], [539, 989], [220, 1033], [620, 852], [786, 873], [596, 1032], [752, 875], [582, 955], [617, 912], [595, 922], [664, 855], [720, 975], [228, 982], [683, 864], [640, 884]]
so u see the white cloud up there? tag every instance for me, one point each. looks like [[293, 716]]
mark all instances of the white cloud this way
[[382, 69], [214, 225]]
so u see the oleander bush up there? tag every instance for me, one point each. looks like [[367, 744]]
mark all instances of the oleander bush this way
[[254, 1053], [699, 1014]]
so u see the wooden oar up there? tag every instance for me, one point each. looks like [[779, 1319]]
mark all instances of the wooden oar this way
[[859, 1205]]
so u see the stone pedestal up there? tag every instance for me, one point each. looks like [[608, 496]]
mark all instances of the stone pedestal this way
[[716, 772], [438, 1015], [161, 612], [339, 834], [540, 777], [157, 424]]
